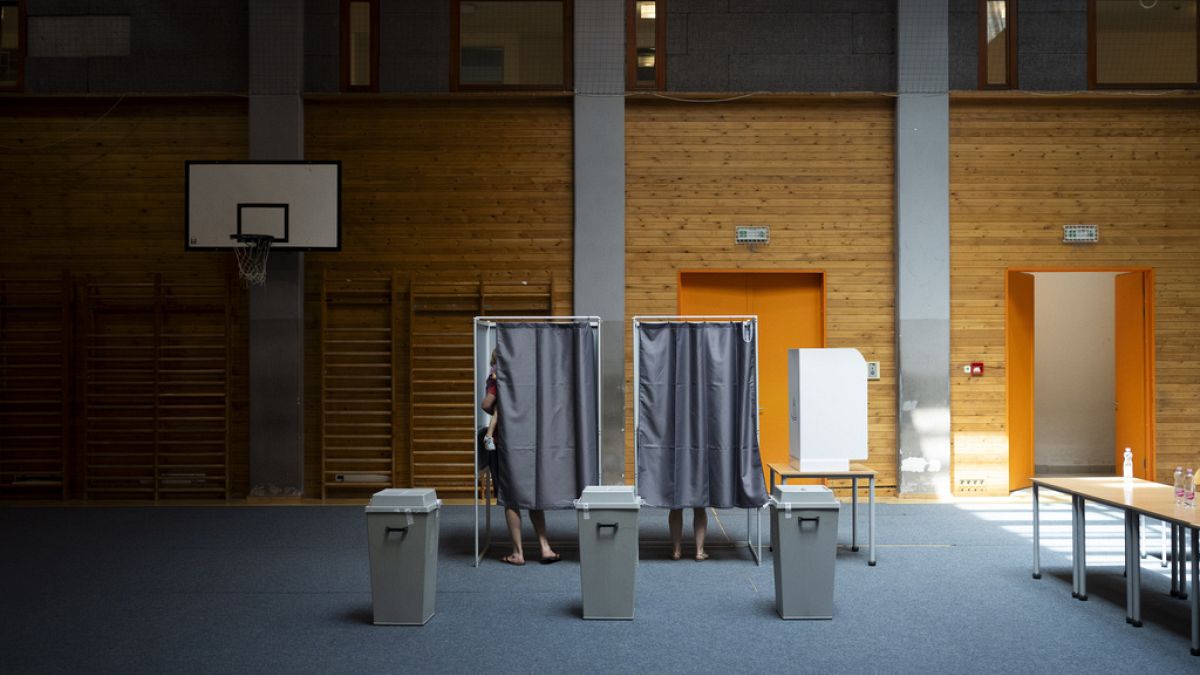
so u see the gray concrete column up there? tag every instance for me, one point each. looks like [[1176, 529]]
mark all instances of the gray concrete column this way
[[923, 247], [276, 376], [599, 269]]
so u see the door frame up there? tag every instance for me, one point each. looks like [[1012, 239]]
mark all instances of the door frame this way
[[1150, 364]]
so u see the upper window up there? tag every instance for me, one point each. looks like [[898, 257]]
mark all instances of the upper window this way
[[645, 42], [12, 44], [510, 44], [360, 45], [997, 44], [1143, 43]]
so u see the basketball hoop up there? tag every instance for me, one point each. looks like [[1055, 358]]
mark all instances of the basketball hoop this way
[[251, 252]]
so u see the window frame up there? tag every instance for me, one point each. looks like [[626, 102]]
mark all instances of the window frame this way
[[21, 51], [660, 47], [344, 66], [1010, 19], [568, 82], [1091, 75]]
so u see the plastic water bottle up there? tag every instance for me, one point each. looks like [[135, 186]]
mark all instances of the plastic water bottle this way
[[1127, 468], [1179, 485], [1189, 489]]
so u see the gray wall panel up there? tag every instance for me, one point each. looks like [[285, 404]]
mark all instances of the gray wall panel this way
[[169, 46], [1052, 48], [808, 46], [874, 33], [110, 7], [322, 46], [56, 75], [923, 292], [276, 313], [822, 6], [414, 47], [964, 44], [599, 270], [923, 248], [698, 5], [599, 35], [162, 75], [56, 7], [811, 72], [78, 36], [162, 34], [687, 72], [277, 47], [1053, 72]]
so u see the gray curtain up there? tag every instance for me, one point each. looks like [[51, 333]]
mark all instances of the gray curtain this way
[[697, 407], [546, 393]]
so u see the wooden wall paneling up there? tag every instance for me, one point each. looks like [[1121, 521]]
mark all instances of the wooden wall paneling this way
[[1020, 170], [818, 171], [441, 396], [358, 390], [156, 382], [34, 386], [192, 384], [444, 190], [119, 392]]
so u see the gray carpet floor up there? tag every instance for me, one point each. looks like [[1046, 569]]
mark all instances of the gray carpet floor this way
[[287, 589]]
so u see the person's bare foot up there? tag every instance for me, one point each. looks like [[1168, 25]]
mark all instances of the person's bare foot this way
[[514, 559], [701, 556], [676, 555]]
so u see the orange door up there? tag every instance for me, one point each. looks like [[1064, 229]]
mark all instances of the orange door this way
[[1132, 368], [790, 310], [1018, 362]]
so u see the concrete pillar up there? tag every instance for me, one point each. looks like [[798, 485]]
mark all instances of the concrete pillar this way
[[276, 376], [599, 269], [923, 247]]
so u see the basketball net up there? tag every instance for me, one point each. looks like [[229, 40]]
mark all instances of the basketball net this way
[[251, 254]]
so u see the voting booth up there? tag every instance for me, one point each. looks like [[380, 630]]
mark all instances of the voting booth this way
[[827, 408]]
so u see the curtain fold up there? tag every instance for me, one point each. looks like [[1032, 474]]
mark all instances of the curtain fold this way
[[697, 408], [547, 434]]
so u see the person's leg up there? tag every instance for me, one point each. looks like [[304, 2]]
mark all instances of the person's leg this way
[[675, 524], [538, 518], [700, 530], [513, 518]]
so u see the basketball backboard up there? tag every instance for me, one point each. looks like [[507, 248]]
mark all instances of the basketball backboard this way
[[299, 204]]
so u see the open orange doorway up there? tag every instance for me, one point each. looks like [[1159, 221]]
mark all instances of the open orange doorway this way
[[791, 314], [1133, 370]]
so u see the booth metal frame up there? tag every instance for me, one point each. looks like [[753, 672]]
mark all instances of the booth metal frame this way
[[755, 549], [489, 322]]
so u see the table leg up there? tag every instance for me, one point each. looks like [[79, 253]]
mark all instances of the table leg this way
[[1195, 592], [871, 520], [1142, 537], [1174, 560], [1135, 568], [1162, 544], [1074, 547], [1082, 549], [1183, 558], [854, 513], [1128, 534], [1037, 546]]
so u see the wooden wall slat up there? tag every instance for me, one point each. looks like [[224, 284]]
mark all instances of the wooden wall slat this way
[[1020, 170], [448, 194], [819, 173]]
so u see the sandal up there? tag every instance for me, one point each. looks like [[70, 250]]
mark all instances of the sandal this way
[[552, 559], [701, 557], [512, 559]]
